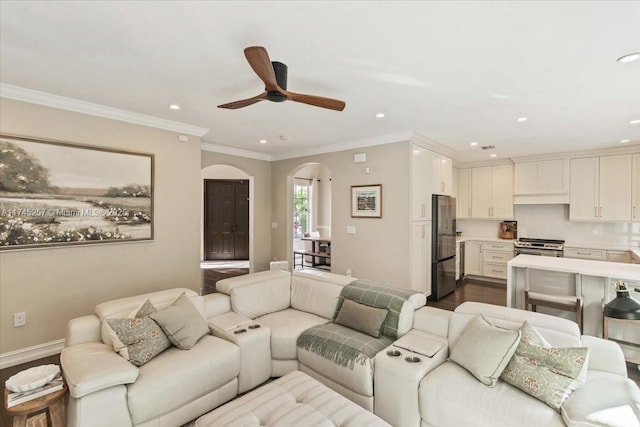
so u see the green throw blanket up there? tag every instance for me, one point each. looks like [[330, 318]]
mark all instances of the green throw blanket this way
[[346, 346], [379, 296], [342, 345]]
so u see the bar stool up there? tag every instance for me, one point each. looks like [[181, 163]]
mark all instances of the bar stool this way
[[554, 289]]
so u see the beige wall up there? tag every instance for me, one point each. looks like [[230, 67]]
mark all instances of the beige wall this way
[[380, 248], [260, 170], [53, 285]]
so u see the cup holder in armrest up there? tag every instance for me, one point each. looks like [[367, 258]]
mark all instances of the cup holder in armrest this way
[[393, 353], [254, 326], [412, 359], [240, 331]]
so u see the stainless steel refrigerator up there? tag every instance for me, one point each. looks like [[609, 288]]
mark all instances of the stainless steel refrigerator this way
[[443, 246]]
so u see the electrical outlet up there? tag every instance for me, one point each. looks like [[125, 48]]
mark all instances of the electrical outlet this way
[[19, 319], [348, 272]]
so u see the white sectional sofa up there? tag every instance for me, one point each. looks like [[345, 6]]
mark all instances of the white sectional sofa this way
[[106, 390], [259, 328], [448, 395]]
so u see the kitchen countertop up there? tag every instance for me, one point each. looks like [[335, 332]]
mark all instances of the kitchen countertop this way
[[567, 244], [583, 266]]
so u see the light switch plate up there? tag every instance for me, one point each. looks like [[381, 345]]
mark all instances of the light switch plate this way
[[351, 229]]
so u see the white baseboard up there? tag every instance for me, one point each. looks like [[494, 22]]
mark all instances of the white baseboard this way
[[29, 354]]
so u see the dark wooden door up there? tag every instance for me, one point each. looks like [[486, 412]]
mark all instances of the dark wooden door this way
[[226, 225]]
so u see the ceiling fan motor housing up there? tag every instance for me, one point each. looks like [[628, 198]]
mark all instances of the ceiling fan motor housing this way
[[280, 70]]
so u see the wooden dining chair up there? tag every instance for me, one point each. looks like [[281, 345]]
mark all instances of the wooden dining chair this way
[[554, 289]]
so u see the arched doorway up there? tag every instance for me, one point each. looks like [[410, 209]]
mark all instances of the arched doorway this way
[[309, 216]]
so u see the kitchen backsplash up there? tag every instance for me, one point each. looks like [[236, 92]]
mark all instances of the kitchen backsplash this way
[[552, 222]]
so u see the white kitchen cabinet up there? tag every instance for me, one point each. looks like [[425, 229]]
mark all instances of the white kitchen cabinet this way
[[619, 256], [495, 256], [585, 253], [464, 193], [473, 258], [492, 192], [420, 189], [635, 188], [441, 173], [542, 182], [421, 256], [601, 188]]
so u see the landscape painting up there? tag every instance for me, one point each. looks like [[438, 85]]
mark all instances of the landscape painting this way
[[54, 193]]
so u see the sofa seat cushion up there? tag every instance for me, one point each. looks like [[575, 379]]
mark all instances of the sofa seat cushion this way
[[450, 396], [177, 377], [286, 326], [296, 399], [604, 400], [343, 355]]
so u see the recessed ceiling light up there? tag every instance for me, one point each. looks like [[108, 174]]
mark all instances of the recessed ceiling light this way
[[493, 155], [522, 119], [263, 141], [634, 122], [174, 106], [380, 115], [474, 143], [624, 141], [629, 58]]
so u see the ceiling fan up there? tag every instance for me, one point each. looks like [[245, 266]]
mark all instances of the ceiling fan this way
[[274, 76]]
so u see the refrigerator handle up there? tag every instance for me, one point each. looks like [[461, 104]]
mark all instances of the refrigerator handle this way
[[422, 230]]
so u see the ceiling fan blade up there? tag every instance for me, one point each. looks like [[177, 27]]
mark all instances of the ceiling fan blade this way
[[259, 60], [317, 101], [244, 102]]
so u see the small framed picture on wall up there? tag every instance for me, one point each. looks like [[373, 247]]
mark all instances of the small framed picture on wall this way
[[366, 201]]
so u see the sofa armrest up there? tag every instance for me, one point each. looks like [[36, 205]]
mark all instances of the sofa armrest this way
[[605, 355], [433, 320], [92, 367], [82, 330], [216, 304]]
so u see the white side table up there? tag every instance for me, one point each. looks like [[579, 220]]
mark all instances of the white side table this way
[[398, 371], [254, 341]]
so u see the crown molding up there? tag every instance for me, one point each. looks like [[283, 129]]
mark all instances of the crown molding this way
[[207, 146], [432, 145], [343, 146], [624, 149], [70, 104]]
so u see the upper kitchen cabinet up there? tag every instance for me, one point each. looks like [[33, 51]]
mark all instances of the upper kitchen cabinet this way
[[464, 193], [492, 192], [635, 187], [540, 182], [601, 188], [420, 188], [441, 174], [431, 173]]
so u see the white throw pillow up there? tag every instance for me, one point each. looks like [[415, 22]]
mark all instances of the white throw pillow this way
[[485, 350]]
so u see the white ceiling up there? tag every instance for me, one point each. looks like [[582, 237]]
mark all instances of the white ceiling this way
[[454, 72]]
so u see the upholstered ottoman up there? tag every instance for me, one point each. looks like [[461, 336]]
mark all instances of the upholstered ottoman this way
[[293, 400]]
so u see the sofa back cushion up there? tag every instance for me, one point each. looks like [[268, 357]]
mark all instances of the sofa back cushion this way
[[122, 307], [317, 292], [557, 331], [257, 294]]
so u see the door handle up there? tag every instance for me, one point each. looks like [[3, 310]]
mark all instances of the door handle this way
[[423, 208], [442, 185], [600, 211], [596, 212], [422, 230], [469, 209]]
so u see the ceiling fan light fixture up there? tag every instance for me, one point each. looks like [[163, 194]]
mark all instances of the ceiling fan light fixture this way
[[630, 57]]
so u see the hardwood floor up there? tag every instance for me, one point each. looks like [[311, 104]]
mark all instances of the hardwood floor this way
[[211, 275]]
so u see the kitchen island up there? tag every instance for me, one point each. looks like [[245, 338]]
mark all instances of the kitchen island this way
[[598, 281]]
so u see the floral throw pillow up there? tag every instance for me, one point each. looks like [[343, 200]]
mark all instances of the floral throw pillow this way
[[138, 338], [549, 374]]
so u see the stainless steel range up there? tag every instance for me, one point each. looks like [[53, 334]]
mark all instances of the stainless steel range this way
[[544, 247]]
